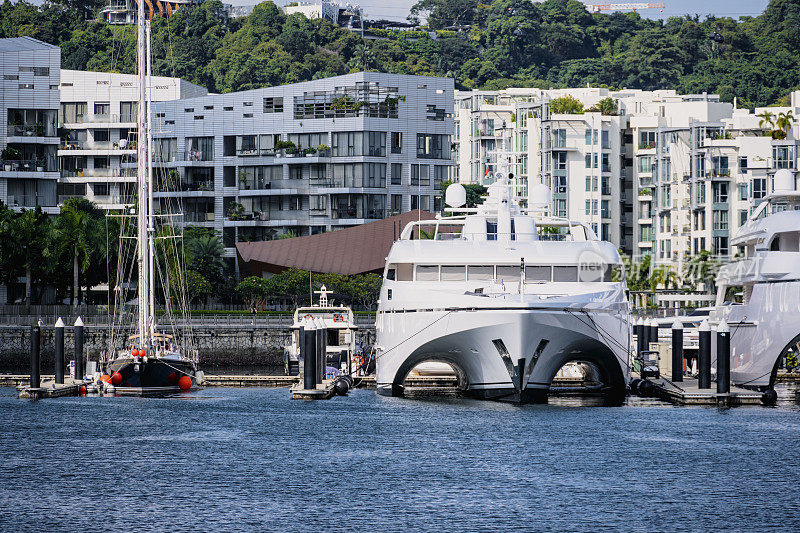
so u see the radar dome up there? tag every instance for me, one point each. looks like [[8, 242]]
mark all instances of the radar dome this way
[[783, 181], [539, 196], [455, 195]]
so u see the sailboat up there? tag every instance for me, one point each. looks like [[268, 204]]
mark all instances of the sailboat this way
[[150, 361]]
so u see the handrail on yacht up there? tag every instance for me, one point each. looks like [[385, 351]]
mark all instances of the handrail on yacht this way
[[436, 224]]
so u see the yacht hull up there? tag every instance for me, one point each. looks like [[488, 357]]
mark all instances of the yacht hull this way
[[503, 354], [152, 374], [761, 332]]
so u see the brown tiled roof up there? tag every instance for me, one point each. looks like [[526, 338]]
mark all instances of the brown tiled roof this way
[[346, 251]]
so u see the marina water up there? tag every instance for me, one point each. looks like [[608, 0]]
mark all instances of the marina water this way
[[253, 459]]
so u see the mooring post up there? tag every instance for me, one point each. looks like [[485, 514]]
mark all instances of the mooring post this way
[[59, 340], [637, 330], [79, 348], [642, 340], [653, 337], [324, 349], [301, 343], [320, 357], [36, 378], [309, 348], [677, 350], [723, 358], [704, 356]]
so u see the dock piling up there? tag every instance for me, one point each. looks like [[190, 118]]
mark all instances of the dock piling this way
[[704, 356], [59, 351], [36, 378], [79, 348], [653, 336], [723, 358], [677, 351], [638, 330], [320, 359], [309, 354]]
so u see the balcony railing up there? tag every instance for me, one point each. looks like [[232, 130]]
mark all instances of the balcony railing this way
[[102, 119], [30, 130], [98, 173], [188, 186], [102, 145], [111, 199], [22, 165]]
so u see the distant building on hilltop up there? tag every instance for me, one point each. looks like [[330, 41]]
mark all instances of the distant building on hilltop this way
[[345, 15], [125, 11]]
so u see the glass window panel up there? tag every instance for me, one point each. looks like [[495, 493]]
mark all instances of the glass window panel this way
[[480, 272], [538, 273], [565, 273], [454, 273], [427, 273]]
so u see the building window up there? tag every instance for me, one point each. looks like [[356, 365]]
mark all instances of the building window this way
[[783, 157], [72, 112], [23, 86], [101, 136], [376, 143], [743, 214], [433, 112], [273, 105], [719, 190], [375, 175], [397, 173], [743, 163], [419, 175], [397, 142], [127, 111], [348, 175], [720, 245], [588, 160], [440, 175], [759, 188], [200, 148], [318, 204], [433, 146], [101, 162], [295, 172], [720, 218], [318, 174], [742, 191], [397, 204], [102, 108]]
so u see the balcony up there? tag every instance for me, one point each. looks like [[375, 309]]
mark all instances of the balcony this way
[[129, 146], [23, 165], [106, 118], [30, 130], [647, 146], [187, 186], [98, 173]]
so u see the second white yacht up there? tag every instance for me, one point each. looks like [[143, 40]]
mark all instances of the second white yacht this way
[[505, 295], [765, 325]]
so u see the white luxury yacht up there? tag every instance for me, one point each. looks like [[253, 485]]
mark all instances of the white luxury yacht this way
[[765, 327], [507, 296], [338, 321]]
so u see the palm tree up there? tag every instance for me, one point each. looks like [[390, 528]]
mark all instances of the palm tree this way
[[784, 122], [363, 58], [28, 232], [701, 268], [766, 118], [72, 234]]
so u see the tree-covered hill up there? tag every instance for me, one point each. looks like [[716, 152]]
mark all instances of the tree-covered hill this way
[[481, 43]]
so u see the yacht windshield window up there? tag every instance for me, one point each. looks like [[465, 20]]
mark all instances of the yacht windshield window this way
[[565, 273], [538, 273], [475, 272], [592, 272], [391, 273], [491, 231], [508, 273], [405, 272], [454, 273], [427, 273]]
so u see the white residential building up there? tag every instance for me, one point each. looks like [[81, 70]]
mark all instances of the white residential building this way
[[346, 15], [98, 154], [365, 145], [29, 138], [669, 176]]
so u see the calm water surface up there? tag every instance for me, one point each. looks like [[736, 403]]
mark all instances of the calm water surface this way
[[224, 459]]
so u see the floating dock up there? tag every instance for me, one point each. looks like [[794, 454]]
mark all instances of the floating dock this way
[[51, 389], [687, 392], [323, 391]]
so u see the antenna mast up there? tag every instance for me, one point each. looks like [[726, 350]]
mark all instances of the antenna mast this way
[[141, 181]]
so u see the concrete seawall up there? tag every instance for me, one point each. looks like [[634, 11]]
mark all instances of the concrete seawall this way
[[247, 347]]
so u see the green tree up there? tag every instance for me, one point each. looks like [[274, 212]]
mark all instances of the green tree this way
[[29, 231], [76, 236], [253, 291], [566, 105], [198, 288]]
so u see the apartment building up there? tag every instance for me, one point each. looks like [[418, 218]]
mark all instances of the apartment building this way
[[29, 141], [98, 113], [305, 158], [580, 157], [668, 176]]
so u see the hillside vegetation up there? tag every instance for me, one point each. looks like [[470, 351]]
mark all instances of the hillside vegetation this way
[[481, 43]]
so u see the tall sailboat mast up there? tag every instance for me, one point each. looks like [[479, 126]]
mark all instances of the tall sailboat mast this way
[[141, 181], [151, 230]]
